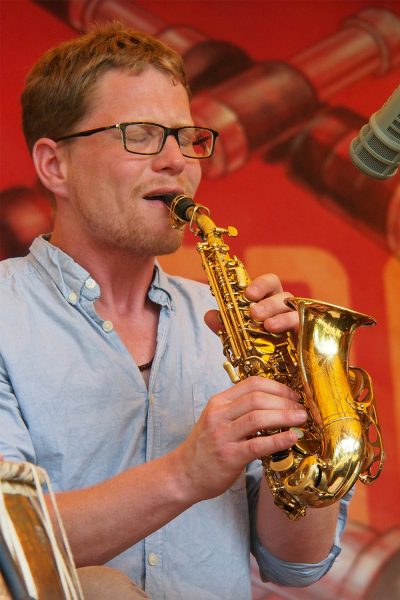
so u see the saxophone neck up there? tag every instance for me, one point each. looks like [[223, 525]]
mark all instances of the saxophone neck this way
[[184, 210]]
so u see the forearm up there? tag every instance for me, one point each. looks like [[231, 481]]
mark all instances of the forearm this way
[[104, 520], [307, 540]]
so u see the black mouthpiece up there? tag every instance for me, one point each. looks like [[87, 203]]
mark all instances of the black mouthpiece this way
[[182, 204], [167, 198]]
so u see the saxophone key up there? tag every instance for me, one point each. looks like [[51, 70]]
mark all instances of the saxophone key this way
[[242, 280], [282, 461], [233, 376]]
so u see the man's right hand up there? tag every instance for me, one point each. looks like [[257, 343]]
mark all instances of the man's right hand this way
[[222, 442]]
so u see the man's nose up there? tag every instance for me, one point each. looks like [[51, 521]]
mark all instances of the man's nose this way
[[171, 156]]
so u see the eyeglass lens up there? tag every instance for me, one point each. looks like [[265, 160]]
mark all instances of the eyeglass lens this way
[[194, 142]]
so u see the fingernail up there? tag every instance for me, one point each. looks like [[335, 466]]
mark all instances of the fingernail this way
[[301, 414], [298, 432], [253, 289], [257, 310]]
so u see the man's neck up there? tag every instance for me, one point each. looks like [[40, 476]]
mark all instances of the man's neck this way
[[124, 279]]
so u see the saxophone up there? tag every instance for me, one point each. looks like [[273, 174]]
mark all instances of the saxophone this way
[[341, 440]]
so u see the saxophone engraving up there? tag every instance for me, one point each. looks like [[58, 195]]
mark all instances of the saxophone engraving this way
[[342, 441]]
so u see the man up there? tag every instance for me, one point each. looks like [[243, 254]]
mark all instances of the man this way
[[109, 378]]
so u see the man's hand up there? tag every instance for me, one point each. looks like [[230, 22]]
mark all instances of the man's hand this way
[[268, 296], [222, 443], [267, 293]]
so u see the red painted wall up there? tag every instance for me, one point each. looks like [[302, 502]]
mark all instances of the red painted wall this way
[[301, 209]]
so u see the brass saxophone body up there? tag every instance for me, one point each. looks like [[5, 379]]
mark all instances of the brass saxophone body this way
[[341, 440]]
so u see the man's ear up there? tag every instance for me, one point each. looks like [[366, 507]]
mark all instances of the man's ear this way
[[49, 162]]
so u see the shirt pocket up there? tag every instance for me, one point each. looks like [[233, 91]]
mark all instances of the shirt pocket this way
[[200, 399]]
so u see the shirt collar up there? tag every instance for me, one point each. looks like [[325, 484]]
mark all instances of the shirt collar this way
[[160, 290], [75, 282]]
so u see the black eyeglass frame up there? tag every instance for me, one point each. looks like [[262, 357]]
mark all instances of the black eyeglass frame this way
[[174, 131]]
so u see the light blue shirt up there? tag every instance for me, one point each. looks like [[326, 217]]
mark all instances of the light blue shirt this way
[[73, 400]]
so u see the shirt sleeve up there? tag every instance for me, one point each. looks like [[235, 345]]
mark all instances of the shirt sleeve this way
[[15, 440], [282, 572]]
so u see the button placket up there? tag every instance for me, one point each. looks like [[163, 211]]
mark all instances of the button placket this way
[[154, 564], [107, 326], [73, 298], [90, 283], [152, 559]]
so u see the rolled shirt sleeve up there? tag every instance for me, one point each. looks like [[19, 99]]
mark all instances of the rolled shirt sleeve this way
[[294, 574]]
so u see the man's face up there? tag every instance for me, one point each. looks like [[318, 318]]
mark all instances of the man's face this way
[[109, 188]]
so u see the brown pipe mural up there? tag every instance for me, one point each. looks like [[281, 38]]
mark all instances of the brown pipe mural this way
[[288, 85]]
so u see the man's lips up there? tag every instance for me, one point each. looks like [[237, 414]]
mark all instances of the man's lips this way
[[165, 197]]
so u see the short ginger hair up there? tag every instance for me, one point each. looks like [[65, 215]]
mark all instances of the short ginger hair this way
[[59, 87]]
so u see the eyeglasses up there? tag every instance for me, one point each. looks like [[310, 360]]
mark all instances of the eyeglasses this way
[[149, 138]]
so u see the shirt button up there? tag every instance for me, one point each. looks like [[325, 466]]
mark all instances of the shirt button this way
[[152, 559], [72, 298], [90, 283], [107, 326]]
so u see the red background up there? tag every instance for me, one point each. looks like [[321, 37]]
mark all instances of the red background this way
[[283, 225]]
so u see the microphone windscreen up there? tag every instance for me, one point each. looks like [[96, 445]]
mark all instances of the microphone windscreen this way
[[376, 149]]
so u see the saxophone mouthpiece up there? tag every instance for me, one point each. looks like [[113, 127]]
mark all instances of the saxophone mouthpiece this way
[[179, 205], [184, 210], [167, 199]]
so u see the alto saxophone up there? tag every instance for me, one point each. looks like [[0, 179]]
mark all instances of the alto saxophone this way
[[341, 438]]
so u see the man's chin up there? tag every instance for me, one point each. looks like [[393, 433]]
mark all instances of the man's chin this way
[[169, 246]]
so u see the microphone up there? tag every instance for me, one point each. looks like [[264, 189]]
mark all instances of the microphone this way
[[376, 150]]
